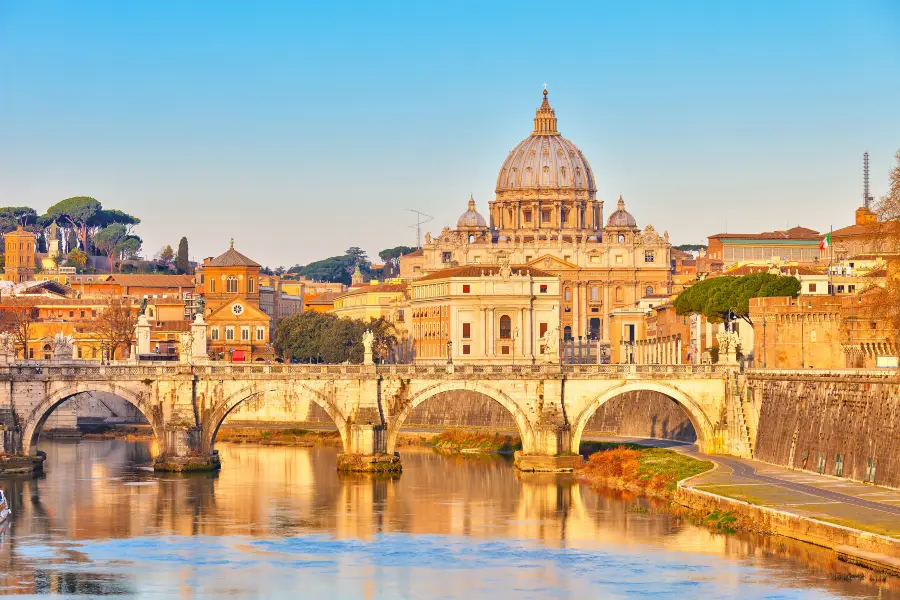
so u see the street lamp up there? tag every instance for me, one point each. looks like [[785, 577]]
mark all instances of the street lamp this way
[[515, 337], [449, 352]]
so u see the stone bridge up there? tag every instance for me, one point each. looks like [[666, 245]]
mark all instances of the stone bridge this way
[[186, 404]]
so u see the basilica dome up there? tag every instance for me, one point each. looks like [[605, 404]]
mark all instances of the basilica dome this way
[[546, 161], [621, 217], [471, 219]]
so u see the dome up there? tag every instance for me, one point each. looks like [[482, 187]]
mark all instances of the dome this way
[[546, 161], [621, 217], [471, 219]]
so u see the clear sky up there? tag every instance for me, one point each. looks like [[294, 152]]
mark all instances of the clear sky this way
[[301, 129]]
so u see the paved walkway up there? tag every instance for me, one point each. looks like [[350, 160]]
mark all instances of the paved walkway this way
[[831, 499]]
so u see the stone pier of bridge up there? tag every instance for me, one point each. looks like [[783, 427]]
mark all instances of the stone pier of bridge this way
[[186, 404]]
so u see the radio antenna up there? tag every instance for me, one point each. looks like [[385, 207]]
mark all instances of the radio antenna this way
[[418, 224]]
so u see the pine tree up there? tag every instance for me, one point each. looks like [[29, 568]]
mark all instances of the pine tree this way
[[181, 259]]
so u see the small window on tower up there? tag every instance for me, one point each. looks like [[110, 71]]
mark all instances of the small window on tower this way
[[466, 288], [544, 289]]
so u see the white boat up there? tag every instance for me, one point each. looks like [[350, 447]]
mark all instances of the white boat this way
[[5, 513]]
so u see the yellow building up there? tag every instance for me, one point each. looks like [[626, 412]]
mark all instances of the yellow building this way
[[485, 314], [20, 253], [371, 302]]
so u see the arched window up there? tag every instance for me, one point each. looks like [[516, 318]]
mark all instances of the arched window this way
[[505, 327], [567, 333], [621, 238], [231, 285], [47, 350], [649, 290], [619, 295]]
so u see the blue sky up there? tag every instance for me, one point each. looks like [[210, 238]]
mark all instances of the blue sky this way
[[302, 129]]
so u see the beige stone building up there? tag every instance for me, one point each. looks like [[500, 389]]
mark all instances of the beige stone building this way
[[546, 215], [485, 314]]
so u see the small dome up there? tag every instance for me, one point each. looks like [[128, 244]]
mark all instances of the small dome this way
[[471, 218], [621, 217]]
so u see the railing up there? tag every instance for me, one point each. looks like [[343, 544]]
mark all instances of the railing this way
[[128, 370]]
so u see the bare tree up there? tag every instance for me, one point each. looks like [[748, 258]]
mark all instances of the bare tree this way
[[17, 319], [115, 325]]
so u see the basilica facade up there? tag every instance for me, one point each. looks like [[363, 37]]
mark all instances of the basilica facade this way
[[546, 215]]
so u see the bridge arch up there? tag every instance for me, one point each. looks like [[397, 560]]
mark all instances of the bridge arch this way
[[521, 419], [217, 415], [702, 425], [37, 417]]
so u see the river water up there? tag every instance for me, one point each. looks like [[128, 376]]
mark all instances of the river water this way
[[280, 522]]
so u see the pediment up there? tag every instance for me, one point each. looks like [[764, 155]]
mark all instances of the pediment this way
[[548, 262]]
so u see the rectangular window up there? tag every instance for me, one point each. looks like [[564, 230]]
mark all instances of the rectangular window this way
[[250, 285], [466, 288], [71, 314], [812, 288], [840, 289], [82, 314], [618, 259], [648, 256], [851, 288], [214, 333], [504, 350], [212, 286], [93, 313], [245, 334], [543, 289], [446, 257], [527, 215], [229, 334], [467, 349], [545, 216], [595, 293], [542, 330], [839, 466], [467, 330], [260, 334]]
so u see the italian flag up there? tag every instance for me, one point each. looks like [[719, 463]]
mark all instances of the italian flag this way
[[826, 242]]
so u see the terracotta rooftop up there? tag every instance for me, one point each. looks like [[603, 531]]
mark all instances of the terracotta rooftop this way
[[231, 258], [151, 280], [479, 270], [324, 298], [794, 233], [867, 230], [419, 252], [784, 269], [378, 288]]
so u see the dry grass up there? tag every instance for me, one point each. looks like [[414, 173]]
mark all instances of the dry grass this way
[[278, 437], [457, 440], [652, 471]]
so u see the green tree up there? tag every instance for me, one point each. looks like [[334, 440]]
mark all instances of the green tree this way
[[718, 298], [166, 253], [336, 269], [71, 240], [77, 258], [13, 216], [326, 338], [77, 212], [182, 263], [115, 241]]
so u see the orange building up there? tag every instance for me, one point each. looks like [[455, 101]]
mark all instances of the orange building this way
[[20, 248], [238, 328]]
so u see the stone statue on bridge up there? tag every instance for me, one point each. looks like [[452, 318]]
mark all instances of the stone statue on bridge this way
[[368, 340], [63, 347], [551, 350]]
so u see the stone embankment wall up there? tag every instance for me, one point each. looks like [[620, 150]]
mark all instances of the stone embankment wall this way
[[808, 421], [642, 414]]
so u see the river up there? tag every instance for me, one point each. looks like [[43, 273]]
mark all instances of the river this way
[[280, 522]]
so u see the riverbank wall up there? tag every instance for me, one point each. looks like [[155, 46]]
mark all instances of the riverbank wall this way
[[871, 550], [840, 423]]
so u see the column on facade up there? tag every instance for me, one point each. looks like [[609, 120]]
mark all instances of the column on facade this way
[[482, 346], [575, 317], [518, 342], [529, 328], [678, 351], [490, 331], [584, 319], [606, 309]]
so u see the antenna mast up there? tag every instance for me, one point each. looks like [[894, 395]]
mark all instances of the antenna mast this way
[[867, 199], [418, 225]]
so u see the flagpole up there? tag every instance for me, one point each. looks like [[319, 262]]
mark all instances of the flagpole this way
[[830, 261]]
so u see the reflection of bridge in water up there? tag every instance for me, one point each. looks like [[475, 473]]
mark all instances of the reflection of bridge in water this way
[[186, 404]]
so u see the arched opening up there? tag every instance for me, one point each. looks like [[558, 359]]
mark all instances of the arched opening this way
[[470, 406], [68, 411], [273, 409], [645, 410]]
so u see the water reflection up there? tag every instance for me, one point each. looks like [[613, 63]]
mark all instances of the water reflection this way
[[279, 520]]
